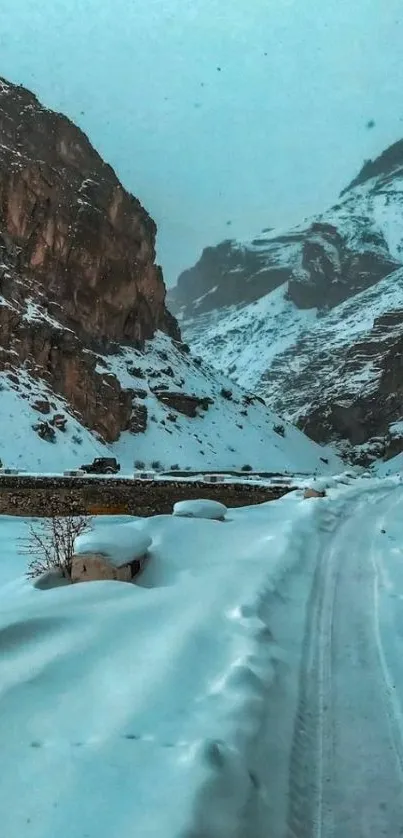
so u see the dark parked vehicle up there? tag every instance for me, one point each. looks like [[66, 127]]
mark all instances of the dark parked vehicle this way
[[102, 465]]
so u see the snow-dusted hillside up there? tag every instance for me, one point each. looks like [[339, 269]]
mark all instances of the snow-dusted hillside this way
[[322, 347], [229, 429]]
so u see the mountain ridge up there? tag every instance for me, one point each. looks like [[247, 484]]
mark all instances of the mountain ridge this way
[[270, 338]]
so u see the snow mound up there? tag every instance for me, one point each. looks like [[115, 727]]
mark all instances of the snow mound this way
[[120, 543], [208, 509]]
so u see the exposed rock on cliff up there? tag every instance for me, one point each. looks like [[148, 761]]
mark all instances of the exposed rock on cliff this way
[[77, 262]]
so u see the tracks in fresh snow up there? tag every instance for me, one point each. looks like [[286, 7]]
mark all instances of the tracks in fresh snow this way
[[346, 770]]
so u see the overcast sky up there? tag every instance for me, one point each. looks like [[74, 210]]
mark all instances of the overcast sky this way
[[252, 112]]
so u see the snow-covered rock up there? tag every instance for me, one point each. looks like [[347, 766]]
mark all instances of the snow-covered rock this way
[[119, 543], [113, 553], [314, 493], [208, 509]]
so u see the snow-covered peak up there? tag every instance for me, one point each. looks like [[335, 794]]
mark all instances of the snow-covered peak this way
[[313, 320]]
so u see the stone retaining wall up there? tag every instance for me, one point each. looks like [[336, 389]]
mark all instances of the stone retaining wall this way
[[41, 496]]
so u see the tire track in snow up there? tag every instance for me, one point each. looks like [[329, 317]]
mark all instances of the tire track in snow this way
[[393, 704], [343, 646], [306, 775]]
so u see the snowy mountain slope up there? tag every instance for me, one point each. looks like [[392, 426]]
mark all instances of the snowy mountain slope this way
[[245, 340], [20, 445], [325, 260], [389, 467], [328, 372], [332, 331], [226, 431]]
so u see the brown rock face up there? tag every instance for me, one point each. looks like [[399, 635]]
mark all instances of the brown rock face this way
[[338, 411], [94, 567], [229, 274], [319, 263], [75, 232], [78, 249], [313, 493], [332, 272], [183, 403]]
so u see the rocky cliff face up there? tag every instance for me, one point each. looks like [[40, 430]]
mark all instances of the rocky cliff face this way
[[77, 262], [231, 274], [322, 264], [322, 342]]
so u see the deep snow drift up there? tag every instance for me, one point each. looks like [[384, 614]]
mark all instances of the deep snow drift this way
[[141, 703], [166, 707]]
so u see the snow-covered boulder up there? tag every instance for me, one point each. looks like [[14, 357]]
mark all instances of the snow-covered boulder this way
[[115, 552], [210, 509]]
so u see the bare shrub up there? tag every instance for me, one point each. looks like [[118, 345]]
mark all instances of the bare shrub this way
[[50, 544]]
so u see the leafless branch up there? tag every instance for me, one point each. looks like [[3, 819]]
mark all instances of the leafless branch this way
[[50, 544]]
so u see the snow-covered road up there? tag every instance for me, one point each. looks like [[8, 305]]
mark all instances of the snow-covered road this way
[[346, 771]]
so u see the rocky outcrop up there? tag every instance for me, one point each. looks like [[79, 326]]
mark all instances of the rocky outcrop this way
[[343, 390], [56, 356], [188, 405], [313, 493], [77, 263], [94, 567], [320, 264], [138, 419], [70, 230], [388, 164], [229, 274], [331, 271]]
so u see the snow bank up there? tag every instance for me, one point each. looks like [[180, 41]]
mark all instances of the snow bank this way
[[121, 543], [208, 509], [159, 704], [149, 700], [389, 467]]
